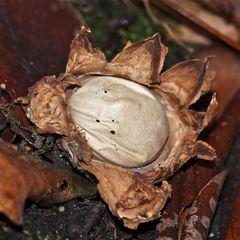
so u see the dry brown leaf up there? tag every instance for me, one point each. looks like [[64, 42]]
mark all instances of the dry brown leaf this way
[[25, 177]]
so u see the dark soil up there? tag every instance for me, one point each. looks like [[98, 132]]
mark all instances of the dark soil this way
[[76, 219], [226, 201]]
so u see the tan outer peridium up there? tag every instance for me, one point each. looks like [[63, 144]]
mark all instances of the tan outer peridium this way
[[137, 200]]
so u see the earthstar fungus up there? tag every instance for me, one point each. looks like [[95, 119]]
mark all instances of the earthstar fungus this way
[[125, 122]]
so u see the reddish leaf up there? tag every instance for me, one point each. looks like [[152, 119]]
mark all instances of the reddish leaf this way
[[23, 176], [199, 215], [33, 44]]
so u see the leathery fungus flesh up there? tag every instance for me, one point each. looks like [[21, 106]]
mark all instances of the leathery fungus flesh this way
[[125, 122]]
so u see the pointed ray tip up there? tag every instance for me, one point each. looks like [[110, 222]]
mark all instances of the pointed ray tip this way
[[156, 36], [85, 30], [207, 59]]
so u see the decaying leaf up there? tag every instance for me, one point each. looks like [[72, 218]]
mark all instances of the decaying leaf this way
[[198, 218], [99, 140], [25, 177], [30, 48]]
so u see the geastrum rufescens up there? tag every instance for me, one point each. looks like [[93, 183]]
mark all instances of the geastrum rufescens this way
[[125, 122]]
